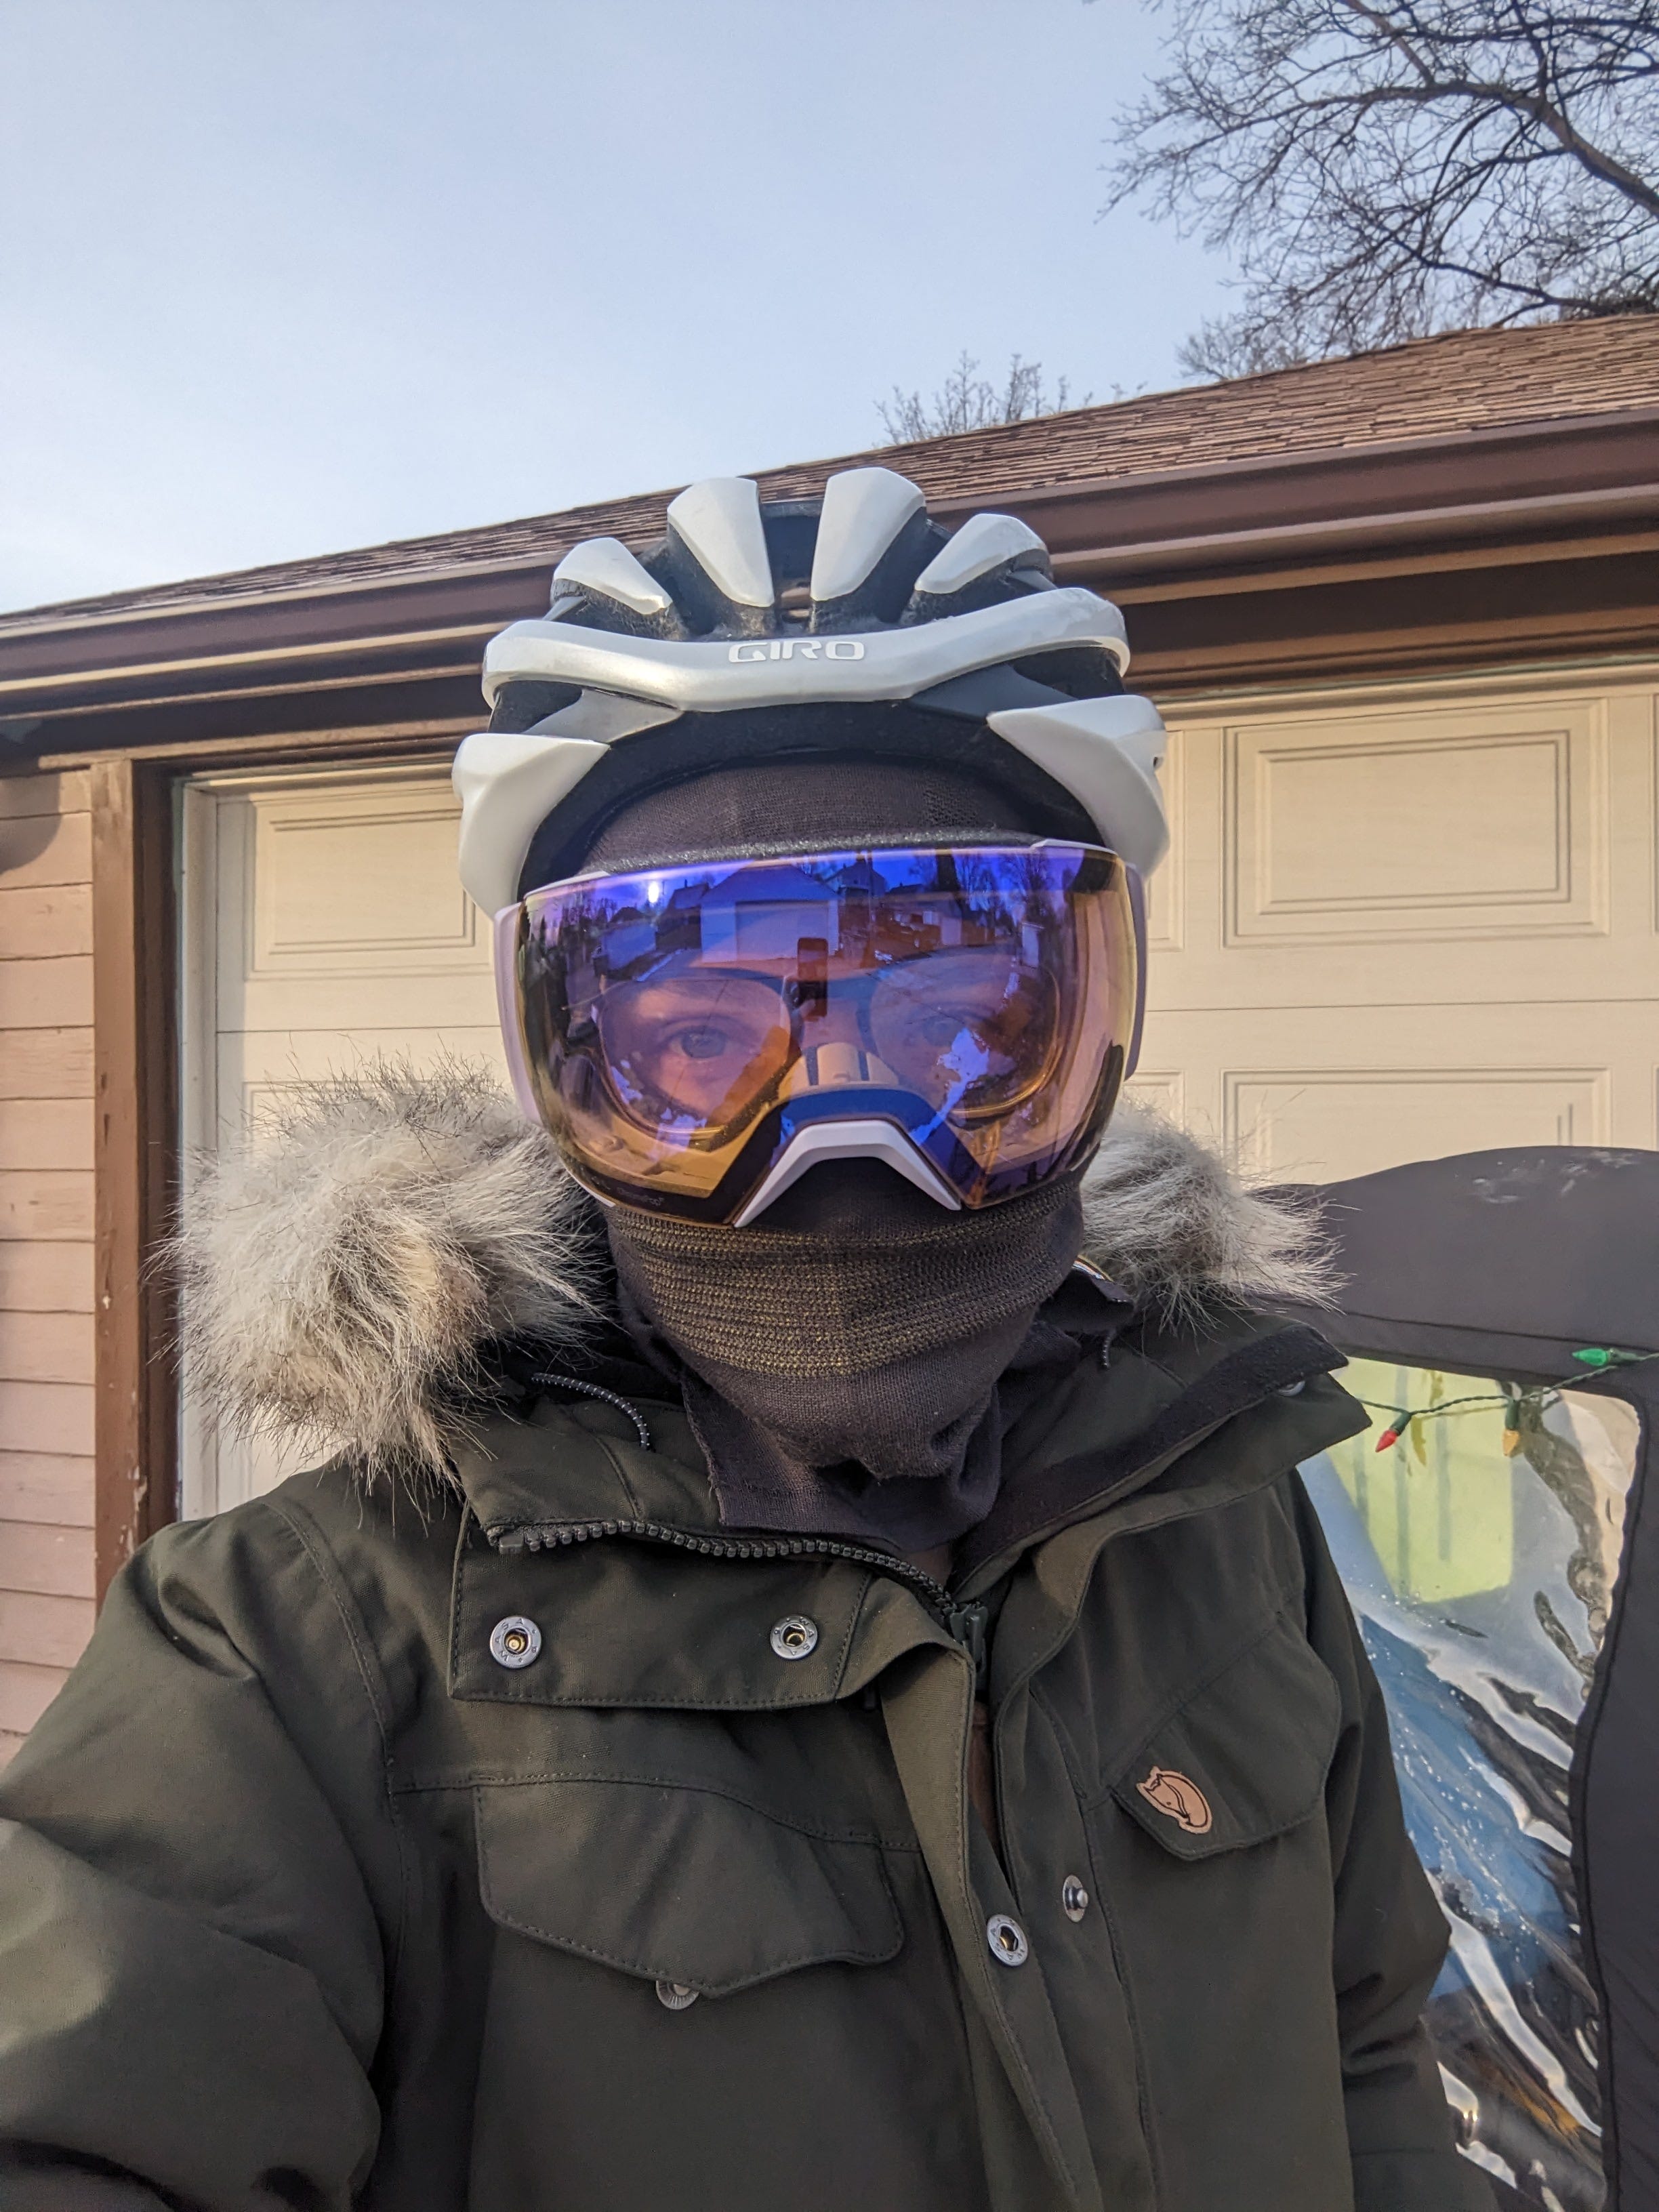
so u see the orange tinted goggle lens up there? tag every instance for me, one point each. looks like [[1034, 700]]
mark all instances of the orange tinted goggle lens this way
[[978, 999]]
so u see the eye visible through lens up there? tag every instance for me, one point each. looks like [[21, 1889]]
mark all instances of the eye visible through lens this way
[[694, 1047], [970, 1030]]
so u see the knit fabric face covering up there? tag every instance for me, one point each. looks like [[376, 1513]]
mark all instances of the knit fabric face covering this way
[[840, 1360]]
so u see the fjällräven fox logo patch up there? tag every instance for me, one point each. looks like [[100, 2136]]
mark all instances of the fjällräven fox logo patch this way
[[1182, 1801]]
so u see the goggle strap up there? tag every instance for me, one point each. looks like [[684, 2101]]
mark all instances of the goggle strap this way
[[1136, 884], [505, 946]]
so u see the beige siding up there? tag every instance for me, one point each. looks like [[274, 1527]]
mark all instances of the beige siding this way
[[46, 1241]]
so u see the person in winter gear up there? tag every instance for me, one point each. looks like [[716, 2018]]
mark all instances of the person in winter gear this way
[[808, 1676]]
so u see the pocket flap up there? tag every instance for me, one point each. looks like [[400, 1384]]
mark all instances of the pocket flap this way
[[1244, 1757], [678, 1884]]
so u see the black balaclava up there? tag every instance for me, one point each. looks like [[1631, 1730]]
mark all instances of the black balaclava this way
[[839, 1359]]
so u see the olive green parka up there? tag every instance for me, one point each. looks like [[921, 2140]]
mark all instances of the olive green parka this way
[[535, 1843]]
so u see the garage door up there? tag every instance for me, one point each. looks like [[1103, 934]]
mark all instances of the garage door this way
[[323, 924], [1396, 924]]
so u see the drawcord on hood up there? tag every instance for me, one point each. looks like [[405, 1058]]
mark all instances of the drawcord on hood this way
[[839, 1362], [553, 1380]]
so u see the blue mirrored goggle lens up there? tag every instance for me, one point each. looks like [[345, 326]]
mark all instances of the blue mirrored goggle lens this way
[[664, 1012]]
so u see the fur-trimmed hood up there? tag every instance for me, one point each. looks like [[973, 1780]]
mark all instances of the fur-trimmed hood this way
[[341, 1279]]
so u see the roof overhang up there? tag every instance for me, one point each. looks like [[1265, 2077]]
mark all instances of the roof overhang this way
[[1330, 561]]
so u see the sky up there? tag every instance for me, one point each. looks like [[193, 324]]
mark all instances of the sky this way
[[283, 277]]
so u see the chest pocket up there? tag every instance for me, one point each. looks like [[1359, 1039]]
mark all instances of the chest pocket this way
[[679, 1885], [1242, 1758]]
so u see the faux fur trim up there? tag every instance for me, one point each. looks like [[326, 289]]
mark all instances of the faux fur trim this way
[[1177, 1229], [342, 1277]]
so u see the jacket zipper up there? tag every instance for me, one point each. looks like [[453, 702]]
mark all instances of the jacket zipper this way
[[610, 1397], [964, 1624], [968, 1624]]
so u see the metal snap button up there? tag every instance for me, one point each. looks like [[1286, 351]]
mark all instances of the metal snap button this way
[[794, 1636], [1007, 1940], [1074, 1898], [676, 1996], [515, 1641]]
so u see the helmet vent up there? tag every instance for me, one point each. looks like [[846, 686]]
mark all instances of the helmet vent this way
[[522, 706], [792, 539], [1080, 672]]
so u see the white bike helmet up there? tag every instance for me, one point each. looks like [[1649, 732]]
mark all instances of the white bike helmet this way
[[759, 631]]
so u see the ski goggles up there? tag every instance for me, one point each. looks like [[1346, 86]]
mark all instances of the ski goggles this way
[[695, 1038]]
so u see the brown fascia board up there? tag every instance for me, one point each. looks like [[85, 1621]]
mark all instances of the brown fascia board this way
[[1340, 626], [1538, 485], [1593, 607], [1360, 488]]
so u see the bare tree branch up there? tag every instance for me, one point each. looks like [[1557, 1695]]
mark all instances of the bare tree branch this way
[[1543, 112], [1380, 169], [967, 401]]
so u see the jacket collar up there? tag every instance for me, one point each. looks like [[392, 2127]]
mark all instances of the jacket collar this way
[[572, 1468]]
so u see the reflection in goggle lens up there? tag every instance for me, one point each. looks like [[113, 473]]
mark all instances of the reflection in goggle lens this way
[[968, 1030], [694, 1046], [677, 1027]]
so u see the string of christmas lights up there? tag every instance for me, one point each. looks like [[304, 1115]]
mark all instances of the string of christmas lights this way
[[1597, 1358]]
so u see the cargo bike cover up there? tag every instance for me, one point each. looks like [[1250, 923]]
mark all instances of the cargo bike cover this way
[[1497, 1529]]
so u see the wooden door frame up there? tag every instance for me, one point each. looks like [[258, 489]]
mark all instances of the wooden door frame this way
[[135, 1157]]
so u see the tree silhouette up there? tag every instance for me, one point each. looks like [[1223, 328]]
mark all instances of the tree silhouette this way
[[1381, 172], [967, 401]]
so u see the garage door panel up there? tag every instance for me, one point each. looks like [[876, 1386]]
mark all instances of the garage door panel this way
[[1319, 1094], [1164, 1092], [259, 1072], [360, 883], [1498, 830], [1403, 978], [1480, 844], [1329, 1123], [1466, 823], [331, 885], [336, 1002]]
